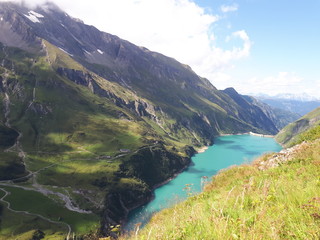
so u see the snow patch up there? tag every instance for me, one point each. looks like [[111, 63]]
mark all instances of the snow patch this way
[[38, 15], [1, 19], [65, 51], [99, 51], [34, 16], [89, 53]]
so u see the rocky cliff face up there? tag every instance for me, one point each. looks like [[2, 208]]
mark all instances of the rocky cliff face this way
[[279, 117], [99, 116], [252, 113]]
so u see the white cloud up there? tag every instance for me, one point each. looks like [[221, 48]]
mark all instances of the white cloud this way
[[229, 8], [215, 60], [313, 88], [31, 3], [283, 82], [176, 28]]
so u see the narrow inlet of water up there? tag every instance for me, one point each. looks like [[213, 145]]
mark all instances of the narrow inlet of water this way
[[226, 151]]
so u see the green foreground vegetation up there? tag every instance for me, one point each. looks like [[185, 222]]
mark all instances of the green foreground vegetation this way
[[247, 203]]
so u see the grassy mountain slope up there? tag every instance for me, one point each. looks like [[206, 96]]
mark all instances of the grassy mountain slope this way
[[95, 131], [63, 138], [71, 142], [72, 138], [291, 134], [275, 198]]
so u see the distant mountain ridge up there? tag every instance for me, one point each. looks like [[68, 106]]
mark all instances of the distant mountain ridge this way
[[96, 121], [296, 103], [303, 97]]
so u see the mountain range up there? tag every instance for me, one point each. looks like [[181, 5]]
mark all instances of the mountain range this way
[[300, 104], [90, 123]]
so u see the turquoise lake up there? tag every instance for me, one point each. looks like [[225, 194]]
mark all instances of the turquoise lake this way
[[226, 151]]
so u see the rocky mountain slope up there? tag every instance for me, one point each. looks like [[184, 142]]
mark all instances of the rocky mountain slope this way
[[289, 135], [92, 122], [279, 117]]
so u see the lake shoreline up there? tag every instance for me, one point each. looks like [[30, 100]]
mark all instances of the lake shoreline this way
[[249, 133], [202, 149]]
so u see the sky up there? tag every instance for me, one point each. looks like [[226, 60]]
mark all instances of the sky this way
[[255, 46]]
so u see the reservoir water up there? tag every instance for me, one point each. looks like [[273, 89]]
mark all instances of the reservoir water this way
[[226, 151]]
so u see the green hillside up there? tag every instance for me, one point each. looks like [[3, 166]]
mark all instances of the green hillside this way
[[291, 134], [71, 141], [66, 130]]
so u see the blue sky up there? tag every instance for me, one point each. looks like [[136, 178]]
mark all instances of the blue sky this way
[[285, 36], [255, 46]]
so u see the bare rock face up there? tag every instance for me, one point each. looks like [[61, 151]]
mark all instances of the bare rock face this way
[[77, 76], [15, 30], [285, 155], [40, 109], [251, 112]]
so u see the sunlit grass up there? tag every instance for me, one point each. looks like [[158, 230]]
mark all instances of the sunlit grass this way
[[22, 226]]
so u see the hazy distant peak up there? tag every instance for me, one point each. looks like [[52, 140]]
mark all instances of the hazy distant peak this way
[[302, 97]]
